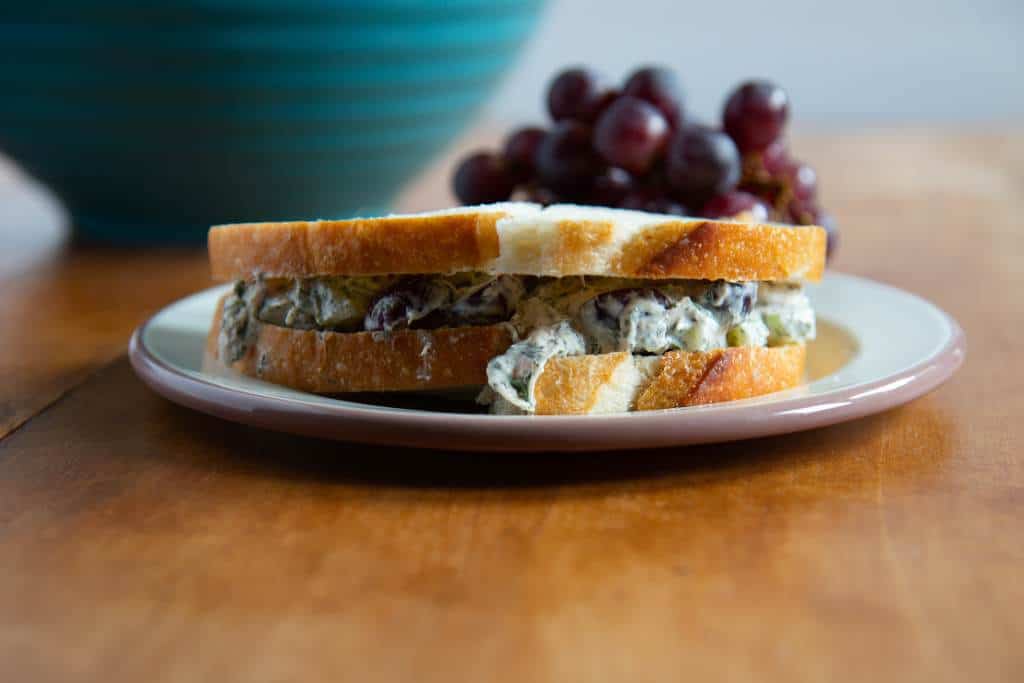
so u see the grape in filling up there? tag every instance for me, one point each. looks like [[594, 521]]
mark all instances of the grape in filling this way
[[486, 303], [411, 300], [650, 321], [732, 302], [613, 320]]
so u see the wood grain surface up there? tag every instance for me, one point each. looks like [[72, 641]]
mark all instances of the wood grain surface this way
[[141, 541]]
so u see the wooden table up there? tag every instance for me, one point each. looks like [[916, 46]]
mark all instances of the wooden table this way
[[140, 541]]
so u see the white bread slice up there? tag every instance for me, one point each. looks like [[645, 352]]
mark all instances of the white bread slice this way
[[335, 362], [332, 362], [446, 241], [619, 382], [567, 239], [522, 238], [605, 383]]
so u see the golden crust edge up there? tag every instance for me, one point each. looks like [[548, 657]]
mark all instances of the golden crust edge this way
[[685, 379], [371, 246], [687, 249], [324, 362], [679, 378]]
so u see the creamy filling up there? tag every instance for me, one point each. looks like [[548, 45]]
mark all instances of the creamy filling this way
[[513, 375], [643, 318], [237, 323], [387, 303], [550, 317]]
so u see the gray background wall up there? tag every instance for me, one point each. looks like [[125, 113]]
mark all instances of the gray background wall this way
[[860, 61]]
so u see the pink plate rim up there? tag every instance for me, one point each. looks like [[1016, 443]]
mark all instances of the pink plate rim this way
[[347, 421]]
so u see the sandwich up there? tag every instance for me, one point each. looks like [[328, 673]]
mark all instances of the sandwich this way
[[557, 310]]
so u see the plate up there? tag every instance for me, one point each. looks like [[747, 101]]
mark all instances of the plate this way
[[877, 347]]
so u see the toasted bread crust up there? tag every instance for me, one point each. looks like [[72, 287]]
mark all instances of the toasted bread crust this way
[[710, 250], [678, 379], [595, 243], [333, 362], [690, 379], [362, 246], [573, 387]]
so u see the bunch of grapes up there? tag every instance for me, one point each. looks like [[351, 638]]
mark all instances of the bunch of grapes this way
[[634, 148]]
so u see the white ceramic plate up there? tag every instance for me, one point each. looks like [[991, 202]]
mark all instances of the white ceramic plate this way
[[877, 347]]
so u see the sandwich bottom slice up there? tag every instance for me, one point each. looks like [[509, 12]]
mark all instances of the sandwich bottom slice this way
[[541, 345]]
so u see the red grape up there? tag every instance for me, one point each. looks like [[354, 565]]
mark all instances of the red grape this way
[[659, 86], [775, 159], [603, 101], [666, 205], [637, 198], [521, 152], [636, 150], [644, 199], [796, 176], [733, 203], [482, 178], [566, 162], [576, 94], [755, 115], [540, 195], [802, 180], [631, 133], [766, 192], [611, 187], [809, 212], [702, 162], [801, 212]]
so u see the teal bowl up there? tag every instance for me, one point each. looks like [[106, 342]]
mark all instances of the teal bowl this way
[[152, 121]]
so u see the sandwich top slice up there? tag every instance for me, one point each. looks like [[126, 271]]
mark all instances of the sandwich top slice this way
[[564, 309]]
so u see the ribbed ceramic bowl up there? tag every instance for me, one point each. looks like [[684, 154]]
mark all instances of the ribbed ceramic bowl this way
[[153, 121]]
